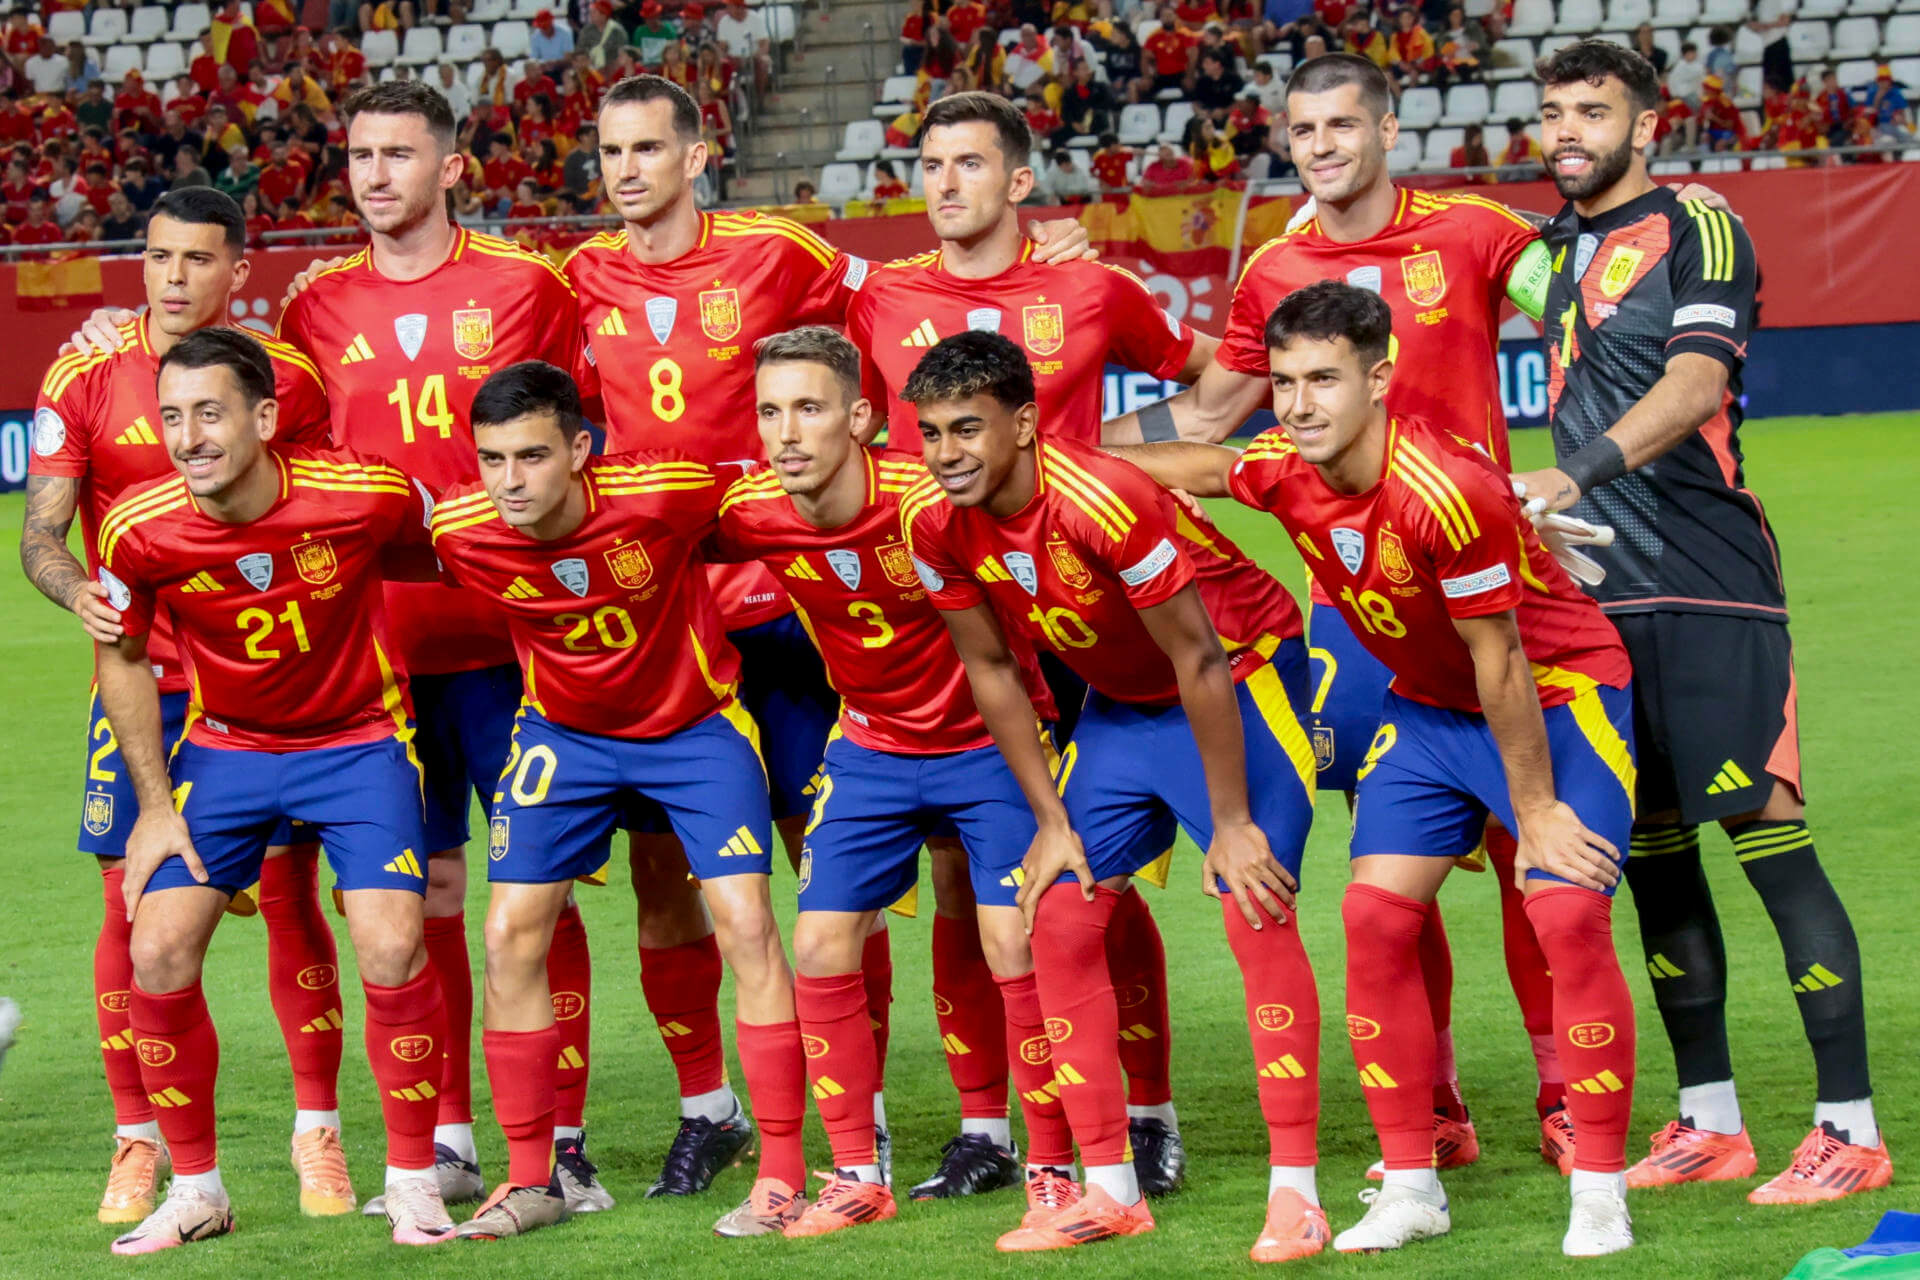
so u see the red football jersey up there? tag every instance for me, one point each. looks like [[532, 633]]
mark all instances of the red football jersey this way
[[1098, 543], [1071, 319], [1439, 537], [98, 420], [614, 625], [402, 361], [279, 620], [903, 688], [669, 335]]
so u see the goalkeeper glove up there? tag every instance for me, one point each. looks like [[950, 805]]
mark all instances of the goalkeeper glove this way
[[1563, 536], [1302, 216]]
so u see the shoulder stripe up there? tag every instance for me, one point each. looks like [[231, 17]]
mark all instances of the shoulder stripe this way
[[467, 506], [280, 349], [1715, 229], [1261, 252], [1443, 485], [626, 488], [599, 240], [917, 260], [348, 486], [1063, 467], [61, 373], [145, 506], [1440, 513], [454, 526], [514, 253], [819, 249], [743, 493], [326, 466], [1492, 206]]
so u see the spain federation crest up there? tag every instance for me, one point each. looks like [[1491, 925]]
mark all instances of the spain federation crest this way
[[497, 838], [97, 817], [629, 564], [314, 561], [473, 332], [1322, 747], [1621, 266], [1425, 279], [897, 563], [1043, 328], [1069, 566], [720, 313], [1393, 557]]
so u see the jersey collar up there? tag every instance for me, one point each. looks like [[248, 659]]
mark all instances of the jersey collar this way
[[1026, 255]]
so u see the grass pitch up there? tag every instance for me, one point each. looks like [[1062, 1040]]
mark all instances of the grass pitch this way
[[1834, 487]]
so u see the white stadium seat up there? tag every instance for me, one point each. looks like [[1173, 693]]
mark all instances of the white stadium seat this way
[[421, 47], [1511, 60], [1531, 18], [1855, 73], [1808, 40], [487, 12], [1855, 38], [1871, 8], [895, 94], [1439, 147], [1749, 46], [109, 26], [1717, 12], [512, 38], [1578, 17], [1405, 156], [1811, 9], [840, 183], [165, 61], [1676, 13], [1466, 104], [189, 20], [1496, 139], [862, 140], [1554, 44], [64, 26], [1902, 37], [149, 23], [119, 60], [1907, 72], [465, 42], [1516, 98], [1628, 14], [1419, 108], [380, 48], [1139, 124], [1174, 128], [526, 9]]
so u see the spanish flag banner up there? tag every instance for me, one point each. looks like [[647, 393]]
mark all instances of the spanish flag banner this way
[[60, 284]]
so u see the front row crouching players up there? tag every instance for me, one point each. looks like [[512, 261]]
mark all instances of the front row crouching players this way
[[1510, 696], [297, 711], [629, 714], [1085, 554], [910, 760]]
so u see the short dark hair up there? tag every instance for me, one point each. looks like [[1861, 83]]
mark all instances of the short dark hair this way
[[205, 206], [1688, 46], [1329, 309], [532, 386], [404, 98], [814, 344], [1016, 138], [970, 364], [650, 88], [1330, 71], [232, 350], [1592, 61]]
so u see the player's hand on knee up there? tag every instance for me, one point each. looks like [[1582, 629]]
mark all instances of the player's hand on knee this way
[[100, 619], [1054, 852], [100, 331], [155, 838], [1060, 240], [1241, 857], [1557, 842], [298, 285]]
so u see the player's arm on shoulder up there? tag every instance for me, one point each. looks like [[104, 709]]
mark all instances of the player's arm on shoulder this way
[[51, 565], [1202, 470], [99, 332], [1213, 408]]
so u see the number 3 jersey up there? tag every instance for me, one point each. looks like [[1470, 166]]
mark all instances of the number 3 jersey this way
[[614, 625], [887, 652], [1097, 543], [1439, 537], [402, 361], [279, 620]]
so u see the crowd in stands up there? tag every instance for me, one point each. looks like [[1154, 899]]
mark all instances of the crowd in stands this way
[[254, 110]]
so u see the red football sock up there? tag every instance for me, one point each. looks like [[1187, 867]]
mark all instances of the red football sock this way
[[1527, 971], [1083, 1022], [1283, 1019], [406, 1029], [876, 973], [447, 961], [520, 1067], [570, 979], [1138, 960], [113, 1003], [303, 975], [1389, 1020], [1030, 1060], [776, 1073], [973, 1025], [682, 989], [1592, 1019], [1436, 969], [841, 1064], [179, 1058]]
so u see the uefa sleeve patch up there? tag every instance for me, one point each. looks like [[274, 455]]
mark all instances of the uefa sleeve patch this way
[[49, 431], [1151, 565], [117, 593], [1474, 584], [928, 578], [856, 274], [1704, 313]]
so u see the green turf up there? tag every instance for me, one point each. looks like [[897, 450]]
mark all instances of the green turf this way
[[1832, 486]]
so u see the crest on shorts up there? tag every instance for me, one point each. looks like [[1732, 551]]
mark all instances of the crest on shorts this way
[[1322, 747], [806, 872], [572, 573], [1351, 546], [1583, 250], [720, 313], [1620, 270], [1020, 565], [1367, 278], [897, 563], [1043, 328], [1393, 557], [473, 332], [1424, 277], [411, 330], [97, 817], [984, 319], [497, 839], [257, 568], [314, 561], [660, 316], [629, 564], [1069, 566], [845, 564]]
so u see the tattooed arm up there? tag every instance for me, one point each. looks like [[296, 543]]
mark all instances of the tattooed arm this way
[[52, 567]]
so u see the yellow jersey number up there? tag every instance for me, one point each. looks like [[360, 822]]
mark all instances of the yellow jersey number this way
[[261, 627], [669, 400], [871, 614], [427, 411], [1063, 628], [528, 774], [1375, 613], [610, 625]]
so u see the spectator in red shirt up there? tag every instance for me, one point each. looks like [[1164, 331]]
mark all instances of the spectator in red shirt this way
[[58, 121], [288, 216], [17, 192], [39, 228], [1170, 50], [136, 105], [1169, 168], [535, 127], [524, 205], [502, 171], [886, 182], [1471, 154], [534, 80], [284, 177], [85, 228], [1110, 163], [1835, 107], [274, 17], [1195, 14], [100, 188], [1521, 160], [964, 19], [913, 36], [23, 35], [259, 222], [204, 70], [1414, 56], [1041, 118], [1248, 123]]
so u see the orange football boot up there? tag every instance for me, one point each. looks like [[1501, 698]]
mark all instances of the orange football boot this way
[[1681, 1154], [1556, 1141], [1295, 1229], [1454, 1145], [843, 1203], [1093, 1217], [1825, 1168], [1047, 1194]]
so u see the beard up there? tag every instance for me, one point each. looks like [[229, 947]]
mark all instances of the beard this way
[[1603, 172]]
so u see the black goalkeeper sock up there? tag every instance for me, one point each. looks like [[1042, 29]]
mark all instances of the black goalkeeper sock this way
[[1822, 954], [1686, 956]]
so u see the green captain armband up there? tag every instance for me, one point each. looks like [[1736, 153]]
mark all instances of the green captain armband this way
[[1527, 286]]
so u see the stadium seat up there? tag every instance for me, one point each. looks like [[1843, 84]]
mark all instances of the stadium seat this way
[[1716, 12], [1419, 108], [189, 20], [1669, 39], [1720, 164], [526, 9], [421, 47], [1466, 104], [1855, 73], [1749, 47], [1767, 162], [119, 60], [1629, 14], [862, 140], [1531, 18], [380, 48], [149, 23], [1578, 17], [1512, 60], [487, 12], [1174, 129], [1515, 98], [895, 94], [1811, 9], [1671, 168], [1405, 156], [916, 180], [465, 42], [1621, 38], [1676, 13], [1496, 139], [64, 26], [1870, 8], [1439, 145], [1747, 85], [109, 27], [1902, 37], [1808, 40], [512, 38], [1906, 71], [840, 183], [475, 72], [782, 26], [165, 61], [1855, 38], [1139, 124], [1554, 44]]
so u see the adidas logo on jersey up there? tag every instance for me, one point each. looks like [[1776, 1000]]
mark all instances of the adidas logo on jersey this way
[[202, 581], [741, 845], [521, 589], [141, 432], [614, 326], [357, 350], [923, 335], [406, 865], [802, 570]]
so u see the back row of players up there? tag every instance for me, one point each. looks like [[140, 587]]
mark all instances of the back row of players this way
[[589, 559]]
